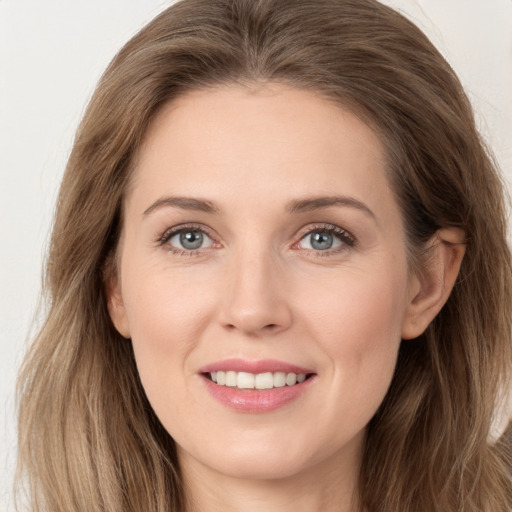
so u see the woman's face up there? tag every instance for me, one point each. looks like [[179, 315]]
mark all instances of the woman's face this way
[[262, 244]]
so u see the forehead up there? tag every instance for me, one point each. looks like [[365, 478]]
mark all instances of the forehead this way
[[259, 143]]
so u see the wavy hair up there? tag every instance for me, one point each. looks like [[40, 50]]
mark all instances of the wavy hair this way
[[88, 438]]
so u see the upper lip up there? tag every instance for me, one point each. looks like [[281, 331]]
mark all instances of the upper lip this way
[[261, 366]]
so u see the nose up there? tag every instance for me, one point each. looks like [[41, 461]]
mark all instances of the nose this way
[[255, 301]]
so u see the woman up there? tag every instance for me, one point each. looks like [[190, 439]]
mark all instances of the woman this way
[[279, 276]]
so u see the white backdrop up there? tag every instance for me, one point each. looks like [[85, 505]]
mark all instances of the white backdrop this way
[[52, 52]]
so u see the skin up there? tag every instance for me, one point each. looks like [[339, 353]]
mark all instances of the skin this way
[[257, 289]]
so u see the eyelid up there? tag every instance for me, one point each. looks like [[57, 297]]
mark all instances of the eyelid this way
[[348, 240], [169, 233]]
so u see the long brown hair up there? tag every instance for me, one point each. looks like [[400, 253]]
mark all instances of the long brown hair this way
[[89, 440]]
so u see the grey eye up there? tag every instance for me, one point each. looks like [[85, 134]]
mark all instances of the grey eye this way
[[320, 241], [190, 240]]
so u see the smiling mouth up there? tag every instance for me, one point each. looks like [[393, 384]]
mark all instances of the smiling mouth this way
[[260, 381]]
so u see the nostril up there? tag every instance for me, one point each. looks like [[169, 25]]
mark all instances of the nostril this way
[[271, 327]]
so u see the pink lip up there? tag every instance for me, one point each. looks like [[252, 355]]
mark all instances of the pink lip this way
[[265, 365], [255, 401]]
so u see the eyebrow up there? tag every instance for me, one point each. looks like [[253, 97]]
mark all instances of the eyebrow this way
[[295, 206], [185, 203], [317, 203]]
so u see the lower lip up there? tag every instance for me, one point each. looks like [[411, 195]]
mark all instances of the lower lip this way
[[256, 401]]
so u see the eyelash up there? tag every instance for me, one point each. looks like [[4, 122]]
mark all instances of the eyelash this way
[[347, 239], [163, 239]]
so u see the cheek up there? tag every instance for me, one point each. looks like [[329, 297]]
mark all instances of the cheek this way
[[357, 326], [164, 304], [357, 309], [166, 315]]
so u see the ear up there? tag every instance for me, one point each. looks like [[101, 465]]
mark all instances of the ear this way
[[115, 304], [430, 288]]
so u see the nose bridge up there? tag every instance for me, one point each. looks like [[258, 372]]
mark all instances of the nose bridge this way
[[255, 300]]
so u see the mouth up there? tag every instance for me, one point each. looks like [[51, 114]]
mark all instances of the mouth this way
[[256, 381], [256, 386]]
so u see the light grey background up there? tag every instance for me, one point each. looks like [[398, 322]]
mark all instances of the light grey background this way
[[52, 52]]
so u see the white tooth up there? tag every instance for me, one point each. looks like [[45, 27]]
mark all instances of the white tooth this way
[[221, 378], [264, 381], [291, 379], [279, 379], [231, 379], [301, 377], [245, 380], [213, 375]]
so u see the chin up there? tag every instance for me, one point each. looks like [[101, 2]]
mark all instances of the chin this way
[[261, 468], [277, 458]]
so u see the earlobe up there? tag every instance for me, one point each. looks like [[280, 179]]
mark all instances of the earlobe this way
[[430, 290], [115, 305]]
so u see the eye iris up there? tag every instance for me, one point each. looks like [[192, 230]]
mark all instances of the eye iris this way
[[321, 241], [191, 239]]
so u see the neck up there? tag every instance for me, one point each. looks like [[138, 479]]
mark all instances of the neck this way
[[330, 486]]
